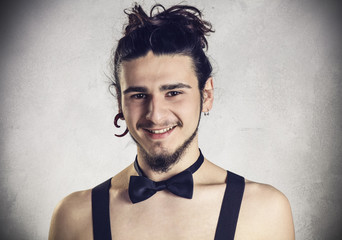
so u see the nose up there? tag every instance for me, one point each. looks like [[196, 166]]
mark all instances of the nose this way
[[156, 110]]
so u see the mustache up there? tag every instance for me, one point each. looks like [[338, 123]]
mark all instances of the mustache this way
[[166, 124]]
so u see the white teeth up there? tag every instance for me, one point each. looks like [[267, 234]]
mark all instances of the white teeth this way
[[161, 130]]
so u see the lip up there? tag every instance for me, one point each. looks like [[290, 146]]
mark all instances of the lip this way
[[159, 133]]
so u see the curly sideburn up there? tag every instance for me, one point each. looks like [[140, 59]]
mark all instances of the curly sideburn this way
[[179, 29]]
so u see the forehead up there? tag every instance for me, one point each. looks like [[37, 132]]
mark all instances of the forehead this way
[[157, 70]]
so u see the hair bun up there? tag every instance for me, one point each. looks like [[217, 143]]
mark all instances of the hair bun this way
[[186, 19]]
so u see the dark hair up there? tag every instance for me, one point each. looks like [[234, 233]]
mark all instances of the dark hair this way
[[177, 30]]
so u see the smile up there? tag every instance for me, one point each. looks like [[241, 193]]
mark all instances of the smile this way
[[160, 131]]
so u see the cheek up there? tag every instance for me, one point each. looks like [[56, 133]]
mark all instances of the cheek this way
[[130, 111], [189, 110]]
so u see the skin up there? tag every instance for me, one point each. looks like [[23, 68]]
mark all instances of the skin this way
[[149, 104]]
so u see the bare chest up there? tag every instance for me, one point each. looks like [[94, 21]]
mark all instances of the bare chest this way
[[165, 216]]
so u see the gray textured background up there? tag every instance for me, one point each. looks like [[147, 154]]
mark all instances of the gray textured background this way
[[276, 116]]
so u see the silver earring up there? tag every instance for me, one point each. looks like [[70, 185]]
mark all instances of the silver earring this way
[[206, 113]]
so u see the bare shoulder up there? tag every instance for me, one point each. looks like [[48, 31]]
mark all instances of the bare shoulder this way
[[72, 216], [264, 194], [265, 212]]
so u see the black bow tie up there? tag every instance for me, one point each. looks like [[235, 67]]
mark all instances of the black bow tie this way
[[141, 188]]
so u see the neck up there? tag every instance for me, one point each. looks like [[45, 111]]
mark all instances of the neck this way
[[189, 156]]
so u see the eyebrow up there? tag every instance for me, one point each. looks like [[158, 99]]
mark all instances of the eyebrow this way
[[162, 88], [135, 89], [173, 86]]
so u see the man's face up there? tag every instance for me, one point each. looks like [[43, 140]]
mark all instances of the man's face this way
[[160, 102]]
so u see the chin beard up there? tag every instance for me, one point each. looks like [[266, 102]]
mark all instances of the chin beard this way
[[164, 161]]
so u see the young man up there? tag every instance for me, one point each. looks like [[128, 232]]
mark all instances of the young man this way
[[163, 82]]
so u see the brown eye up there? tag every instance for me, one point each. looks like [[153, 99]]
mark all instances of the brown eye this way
[[139, 96], [173, 93]]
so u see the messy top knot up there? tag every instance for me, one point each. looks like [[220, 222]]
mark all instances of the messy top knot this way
[[179, 29], [187, 18]]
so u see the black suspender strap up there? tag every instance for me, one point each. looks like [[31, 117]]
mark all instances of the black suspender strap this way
[[100, 211], [230, 209]]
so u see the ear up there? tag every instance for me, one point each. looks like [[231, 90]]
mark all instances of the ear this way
[[208, 95], [118, 98], [119, 106]]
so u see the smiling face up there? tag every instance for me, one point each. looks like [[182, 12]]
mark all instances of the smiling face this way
[[161, 103]]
